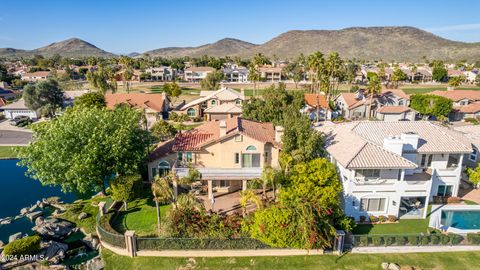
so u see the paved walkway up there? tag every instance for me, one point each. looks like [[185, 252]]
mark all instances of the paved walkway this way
[[408, 249], [473, 195]]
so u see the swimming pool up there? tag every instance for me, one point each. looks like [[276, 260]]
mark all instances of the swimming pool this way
[[461, 219]]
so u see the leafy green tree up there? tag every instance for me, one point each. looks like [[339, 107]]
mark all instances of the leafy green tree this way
[[4, 75], [213, 80], [163, 131], [427, 104], [102, 79], [92, 99], [294, 72], [474, 176], [127, 77], [44, 97], [439, 74], [172, 90], [398, 76], [249, 196], [124, 188], [84, 147], [455, 81]]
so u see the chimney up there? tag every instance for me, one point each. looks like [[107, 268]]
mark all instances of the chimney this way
[[278, 133], [393, 144], [410, 141], [223, 128]]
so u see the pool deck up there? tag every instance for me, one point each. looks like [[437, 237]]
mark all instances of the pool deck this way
[[473, 195], [436, 217]]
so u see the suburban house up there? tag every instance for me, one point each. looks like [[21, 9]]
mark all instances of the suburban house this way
[[18, 108], [355, 106], [470, 76], [236, 74], [196, 74], [161, 73], [271, 74], [316, 107], [472, 132], [395, 168], [220, 104], [155, 106], [36, 76], [227, 153], [466, 103]]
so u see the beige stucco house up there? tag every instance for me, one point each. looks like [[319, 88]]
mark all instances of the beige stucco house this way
[[227, 153], [215, 105], [466, 103]]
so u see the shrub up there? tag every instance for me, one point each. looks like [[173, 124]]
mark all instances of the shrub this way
[[425, 240], [455, 239], [400, 240], [377, 240], [362, 219], [453, 200], [382, 218], [435, 239], [26, 246], [373, 219], [389, 240], [444, 239], [413, 240], [392, 218], [473, 238]]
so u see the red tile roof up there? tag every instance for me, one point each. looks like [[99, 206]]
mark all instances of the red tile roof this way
[[315, 100], [163, 149], [393, 109], [139, 100], [470, 108], [457, 95]]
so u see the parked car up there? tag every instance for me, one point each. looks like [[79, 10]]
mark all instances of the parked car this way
[[20, 121]]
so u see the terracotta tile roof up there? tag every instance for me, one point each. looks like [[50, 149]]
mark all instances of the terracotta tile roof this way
[[139, 100], [209, 132], [457, 95], [197, 69], [393, 109], [473, 107], [315, 100], [374, 156], [163, 149], [396, 92], [37, 74], [224, 94], [472, 132], [224, 108], [352, 101], [454, 72]]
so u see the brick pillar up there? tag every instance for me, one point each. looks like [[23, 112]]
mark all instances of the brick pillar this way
[[131, 243]]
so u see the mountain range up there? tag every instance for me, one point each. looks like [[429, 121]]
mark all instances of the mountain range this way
[[369, 43]]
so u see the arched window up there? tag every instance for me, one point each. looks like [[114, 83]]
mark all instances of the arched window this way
[[238, 102], [214, 102], [191, 112], [163, 168], [251, 148]]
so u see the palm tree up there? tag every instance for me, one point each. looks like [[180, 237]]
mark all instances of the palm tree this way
[[271, 177], [247, 196], [374, 87], [188, 201], [315, 63], [333, 73], [162, 193]]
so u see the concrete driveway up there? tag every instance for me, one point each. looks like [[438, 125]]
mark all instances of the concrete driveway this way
[[14, 138]]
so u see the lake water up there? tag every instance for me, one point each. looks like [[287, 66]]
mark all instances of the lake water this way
[[18, 191]]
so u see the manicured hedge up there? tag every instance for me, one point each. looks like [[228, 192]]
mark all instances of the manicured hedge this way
[[413, 240], [29, 245]]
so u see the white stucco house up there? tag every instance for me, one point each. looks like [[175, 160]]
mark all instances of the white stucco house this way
[[18, 108], [395, 168]]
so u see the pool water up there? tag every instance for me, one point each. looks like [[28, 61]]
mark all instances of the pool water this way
[[461, 219]]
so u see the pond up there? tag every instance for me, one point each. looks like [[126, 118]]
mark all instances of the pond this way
[[19, 191]]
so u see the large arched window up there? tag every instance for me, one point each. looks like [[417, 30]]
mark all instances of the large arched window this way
[[251, 148], [191, 112], [163, 168], [214, 102], [238, 102]]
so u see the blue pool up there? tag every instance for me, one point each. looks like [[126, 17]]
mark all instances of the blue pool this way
[[461, 219]]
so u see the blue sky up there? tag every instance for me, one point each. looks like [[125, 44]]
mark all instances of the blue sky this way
[[127, 26]]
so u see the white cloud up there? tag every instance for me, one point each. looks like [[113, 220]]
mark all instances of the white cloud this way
[[458, 27]]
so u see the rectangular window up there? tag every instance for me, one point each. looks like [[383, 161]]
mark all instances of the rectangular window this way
[[189, 156], [238, 138], [180, 156], [265, 157], [237, 158], [426, 161], [367, 173], [250, 160], [473, 155], [373, 204], [154, 172], [444, 190]]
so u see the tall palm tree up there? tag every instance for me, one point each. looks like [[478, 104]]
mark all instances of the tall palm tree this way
[[333, 73], [162, 193], [271, 177], [373, 88], [315, 63], [248, 196]]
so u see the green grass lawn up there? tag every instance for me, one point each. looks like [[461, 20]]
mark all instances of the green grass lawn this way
[[7, 152], [74, 209], [141, 216], [453, 260], [423, 90], [403, 226]]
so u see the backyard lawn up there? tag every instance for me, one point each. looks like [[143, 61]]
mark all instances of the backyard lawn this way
[[141, 216], [453, 260], [7, 152], [423, 90], [403, 226]]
